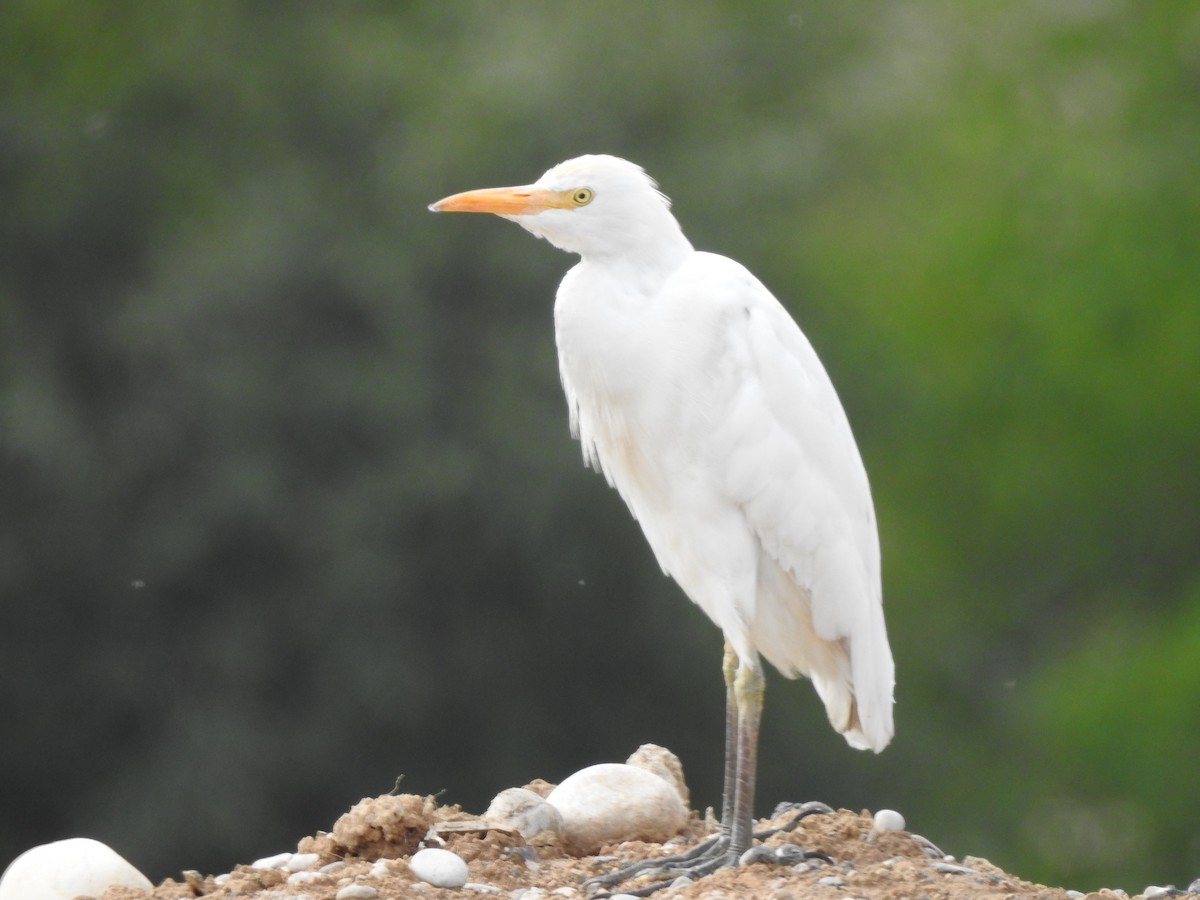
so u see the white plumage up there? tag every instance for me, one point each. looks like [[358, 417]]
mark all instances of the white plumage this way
[[695, 393]]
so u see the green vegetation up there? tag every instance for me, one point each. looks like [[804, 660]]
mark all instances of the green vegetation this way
[[289, 501]]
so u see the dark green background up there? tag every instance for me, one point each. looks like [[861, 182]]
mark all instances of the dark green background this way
[[289, 503]]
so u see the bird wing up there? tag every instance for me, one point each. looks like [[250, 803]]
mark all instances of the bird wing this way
[[786, 457], [707, 409]]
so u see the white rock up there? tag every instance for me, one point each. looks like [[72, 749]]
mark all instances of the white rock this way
[[278, 861], [613, 802], [663, 763], [301, 861], [304, 877], [380, 869], [66, 869], [887, 820], [524, 811], [441, 868], [952, 868], [357, 892]]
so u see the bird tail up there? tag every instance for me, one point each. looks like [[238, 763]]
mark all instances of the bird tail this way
[[860, 705], [854, 676]]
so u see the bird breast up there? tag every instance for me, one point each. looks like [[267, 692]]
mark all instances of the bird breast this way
[[643, 377], [628, 365]]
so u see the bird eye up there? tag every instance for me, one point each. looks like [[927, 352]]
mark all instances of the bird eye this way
[[582, 196]]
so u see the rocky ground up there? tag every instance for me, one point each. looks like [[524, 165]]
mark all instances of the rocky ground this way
[[368, 852]]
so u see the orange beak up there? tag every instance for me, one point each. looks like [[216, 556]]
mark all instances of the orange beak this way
[[507, 201]]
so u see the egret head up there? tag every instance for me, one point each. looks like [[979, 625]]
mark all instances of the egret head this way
[[597, 206]]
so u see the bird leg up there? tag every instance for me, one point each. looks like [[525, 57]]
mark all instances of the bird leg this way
[[748, 685], [729, 668], [716, 844], [743, 712]]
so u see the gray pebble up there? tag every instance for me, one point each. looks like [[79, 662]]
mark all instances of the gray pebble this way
[[527, 812], [953, 869]]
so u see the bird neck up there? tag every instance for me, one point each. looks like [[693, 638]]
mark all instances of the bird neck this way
[[645, 266]]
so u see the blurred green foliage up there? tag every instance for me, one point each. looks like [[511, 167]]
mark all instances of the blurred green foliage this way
[[289, 501]]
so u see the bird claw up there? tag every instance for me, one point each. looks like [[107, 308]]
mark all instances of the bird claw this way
[[929, 848], [714, 853], [801, 810], [679, 864], [675, 870], [782, 855]]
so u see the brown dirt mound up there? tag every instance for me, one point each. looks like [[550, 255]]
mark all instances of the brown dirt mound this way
[[373, 841]]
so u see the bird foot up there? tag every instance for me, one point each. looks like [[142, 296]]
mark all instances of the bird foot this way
[[706, 857], [800, 812], [710, 855]]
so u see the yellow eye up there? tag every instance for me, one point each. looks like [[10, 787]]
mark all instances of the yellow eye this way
[[582, 196]]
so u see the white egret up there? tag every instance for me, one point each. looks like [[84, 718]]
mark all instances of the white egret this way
[[700, 400]]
